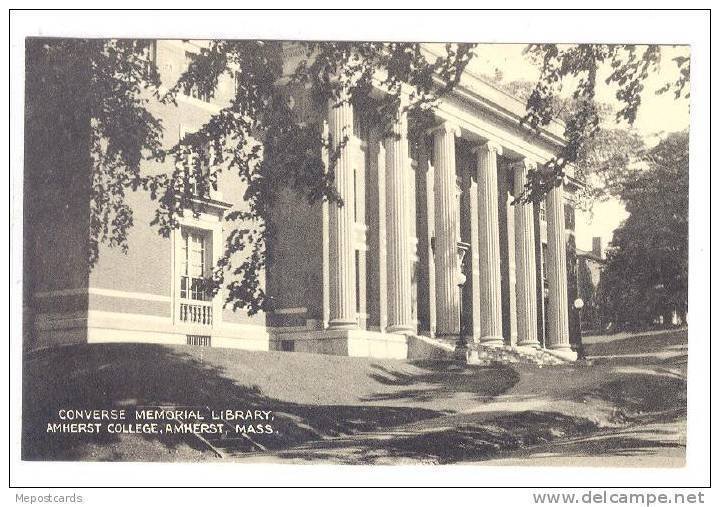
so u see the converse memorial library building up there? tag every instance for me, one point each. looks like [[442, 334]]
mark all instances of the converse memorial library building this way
[[427, 256]]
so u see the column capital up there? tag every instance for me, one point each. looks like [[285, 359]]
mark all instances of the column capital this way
[[343, 96], [523, 163], [488, 146], [344, 79], [399, 125], [445, 127]]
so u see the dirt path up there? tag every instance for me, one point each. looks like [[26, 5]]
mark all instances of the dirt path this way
[[654, 444], [625, 409]]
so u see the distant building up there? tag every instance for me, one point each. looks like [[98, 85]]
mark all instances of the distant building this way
[[426, 244]]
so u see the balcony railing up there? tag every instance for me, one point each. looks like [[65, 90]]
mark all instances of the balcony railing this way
[[200, 313]]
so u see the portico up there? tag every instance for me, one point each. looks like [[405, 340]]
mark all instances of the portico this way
[[455, 258]]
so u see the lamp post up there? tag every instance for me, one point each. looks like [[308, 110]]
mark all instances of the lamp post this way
[[578, 305], [461, 278]]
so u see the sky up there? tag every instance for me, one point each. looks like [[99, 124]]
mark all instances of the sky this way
[[657, 116]]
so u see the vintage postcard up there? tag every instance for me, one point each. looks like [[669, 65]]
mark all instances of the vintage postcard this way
[[287, 250]]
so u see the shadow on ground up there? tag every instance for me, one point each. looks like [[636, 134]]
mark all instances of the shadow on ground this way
[[444, 380], [631, 404], [650, 345], [129, 375], [631, 401], [628, 399], [461, 441]]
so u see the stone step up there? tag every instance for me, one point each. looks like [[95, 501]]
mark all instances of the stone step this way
[[485, 355], [422, 347]]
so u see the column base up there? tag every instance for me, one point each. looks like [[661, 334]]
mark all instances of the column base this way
[[405, 329], [492, 341], [342, 324], [563, 352], [530, 344]]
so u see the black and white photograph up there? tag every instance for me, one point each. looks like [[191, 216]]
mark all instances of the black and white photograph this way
[[289, 250]]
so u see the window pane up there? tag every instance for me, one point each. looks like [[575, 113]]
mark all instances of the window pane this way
[[196, 259], [197, 293], [193, 265]]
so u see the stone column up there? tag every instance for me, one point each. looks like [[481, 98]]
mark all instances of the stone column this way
[[382, 238], [489, 245], [429, 246], [526, 287], [558, 337], [474, 259], [446, 217], [399, 228], [342, 250], [539, 266], [508, 208], [326, 237]]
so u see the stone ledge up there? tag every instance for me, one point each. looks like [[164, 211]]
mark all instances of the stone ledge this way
[[488, 356], [344, 342]]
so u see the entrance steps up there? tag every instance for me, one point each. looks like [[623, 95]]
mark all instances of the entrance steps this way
[[424, 347], [505, 354]]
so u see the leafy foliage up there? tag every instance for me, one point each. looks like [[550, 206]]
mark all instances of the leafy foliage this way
[[647, 264], [603, 160], [629, 65], [291, 149], [99, 84], [258, 136]]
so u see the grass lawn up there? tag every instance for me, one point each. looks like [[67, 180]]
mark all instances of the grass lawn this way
[[354, 410]]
